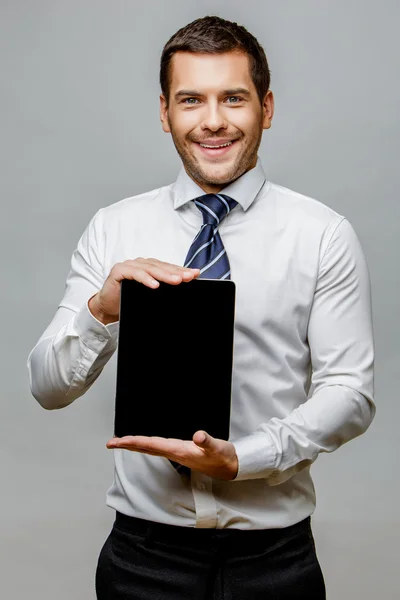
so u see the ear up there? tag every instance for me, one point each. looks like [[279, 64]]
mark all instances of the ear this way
[[268, 109], [164, 114]]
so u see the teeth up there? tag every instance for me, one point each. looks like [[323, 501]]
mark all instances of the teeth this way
[[223, 145]]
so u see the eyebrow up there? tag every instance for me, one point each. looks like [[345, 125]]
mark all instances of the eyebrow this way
[[243, 91], [231, 92]]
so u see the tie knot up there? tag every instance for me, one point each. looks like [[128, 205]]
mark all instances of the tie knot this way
[[214, 207]]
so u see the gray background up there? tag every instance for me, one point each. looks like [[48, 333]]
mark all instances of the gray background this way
[[80, 130]]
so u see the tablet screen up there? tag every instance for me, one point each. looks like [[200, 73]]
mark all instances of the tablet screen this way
[[174, 365]]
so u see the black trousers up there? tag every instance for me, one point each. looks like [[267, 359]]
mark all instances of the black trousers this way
[[142, 560]]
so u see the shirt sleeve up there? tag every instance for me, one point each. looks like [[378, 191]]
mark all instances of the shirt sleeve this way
[[340, 405], [73, 350]]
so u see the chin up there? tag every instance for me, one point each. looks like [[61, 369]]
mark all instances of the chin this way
[[220, 181], [220, 176]]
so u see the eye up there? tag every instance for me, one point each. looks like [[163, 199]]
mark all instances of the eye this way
[[190, 101], [234, 99]]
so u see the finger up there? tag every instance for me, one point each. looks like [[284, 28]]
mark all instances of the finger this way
[[121, 444], [170, 266], [205, 440], [127, 445], [148, 443], [151, 275], [172, 274], [130, 270], [166, 266]]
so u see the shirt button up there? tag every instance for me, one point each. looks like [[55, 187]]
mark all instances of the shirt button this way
[[201, 486], [101, 338]]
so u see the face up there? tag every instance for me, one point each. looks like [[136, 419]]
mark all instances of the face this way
[[215, 116]]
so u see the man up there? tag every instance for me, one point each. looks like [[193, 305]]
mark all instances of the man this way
[[210, 518]]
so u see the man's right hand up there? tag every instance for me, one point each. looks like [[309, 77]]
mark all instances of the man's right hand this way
[[104, 305]]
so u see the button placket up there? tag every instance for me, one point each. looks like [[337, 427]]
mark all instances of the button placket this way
[[205, 505]]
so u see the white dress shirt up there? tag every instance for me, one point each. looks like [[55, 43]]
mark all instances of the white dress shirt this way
[[303, 349]]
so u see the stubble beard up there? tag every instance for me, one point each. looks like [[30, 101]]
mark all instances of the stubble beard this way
[[244, 161]]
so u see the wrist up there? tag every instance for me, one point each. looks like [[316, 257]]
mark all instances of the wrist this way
[[98, 313]]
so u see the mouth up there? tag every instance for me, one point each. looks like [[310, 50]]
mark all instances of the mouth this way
[[213, 150]]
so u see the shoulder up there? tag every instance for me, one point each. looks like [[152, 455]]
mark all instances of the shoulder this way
[[132, 209], [301, 212], [301, 204], [138, 203]]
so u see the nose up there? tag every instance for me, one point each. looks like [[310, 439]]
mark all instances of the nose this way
[[213, 117]]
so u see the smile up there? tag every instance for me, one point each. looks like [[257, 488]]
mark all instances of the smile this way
[[222, 145], [213, 150]]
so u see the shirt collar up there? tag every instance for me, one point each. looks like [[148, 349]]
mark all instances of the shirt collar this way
[[243, 190]]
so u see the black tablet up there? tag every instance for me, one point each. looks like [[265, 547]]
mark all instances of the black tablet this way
[[174, 364]]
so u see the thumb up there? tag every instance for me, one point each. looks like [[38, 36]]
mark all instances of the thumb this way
[[203, 439]]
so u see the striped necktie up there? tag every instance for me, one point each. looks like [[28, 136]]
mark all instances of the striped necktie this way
[[207, 251]]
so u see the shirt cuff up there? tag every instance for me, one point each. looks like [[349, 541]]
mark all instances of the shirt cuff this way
[[256, 456], [92, 332]]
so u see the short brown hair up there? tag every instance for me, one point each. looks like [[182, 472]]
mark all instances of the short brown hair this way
[[214, 35]]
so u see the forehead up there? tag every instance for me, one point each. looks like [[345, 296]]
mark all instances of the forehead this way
[[189, 70]]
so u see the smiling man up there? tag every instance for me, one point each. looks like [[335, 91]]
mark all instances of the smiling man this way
[[215, 115], [207, 518]]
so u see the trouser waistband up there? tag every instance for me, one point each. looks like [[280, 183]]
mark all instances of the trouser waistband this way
[[179, 534]]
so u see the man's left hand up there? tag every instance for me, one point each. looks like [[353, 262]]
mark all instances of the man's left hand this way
[[213, 457]]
